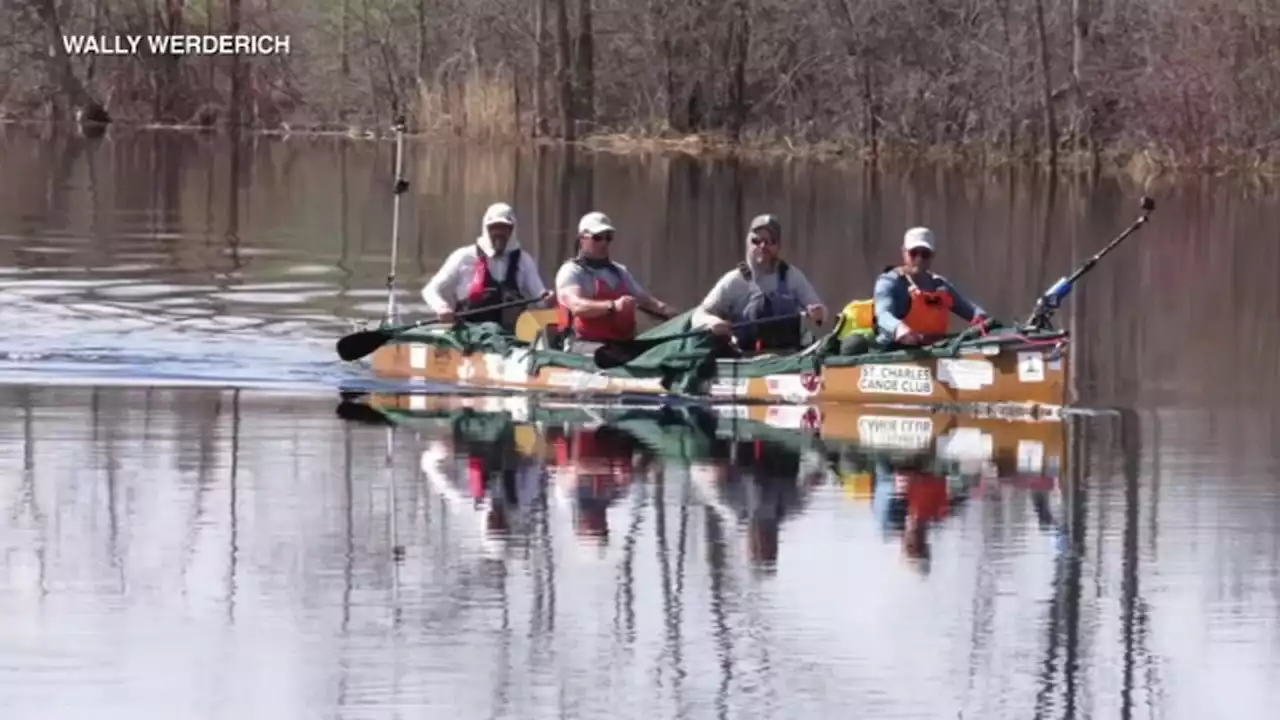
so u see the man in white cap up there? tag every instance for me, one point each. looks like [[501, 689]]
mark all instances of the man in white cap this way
[[913, 306], [491, 271], [597, 296]]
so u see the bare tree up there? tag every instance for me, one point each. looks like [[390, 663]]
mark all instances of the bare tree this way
[[966, 76], [1046, 88], [564, 55]]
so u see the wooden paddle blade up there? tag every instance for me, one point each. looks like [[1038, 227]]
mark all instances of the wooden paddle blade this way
[[531, 322], [358, 344]]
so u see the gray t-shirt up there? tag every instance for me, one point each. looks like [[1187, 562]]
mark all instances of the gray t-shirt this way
[[729, 296], [571, 274]]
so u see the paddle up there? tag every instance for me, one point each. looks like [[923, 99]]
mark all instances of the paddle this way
[[358, 344], [531, 322], [612, 355], [1041, 316]]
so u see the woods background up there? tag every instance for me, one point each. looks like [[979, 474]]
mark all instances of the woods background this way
[[1186, 82]]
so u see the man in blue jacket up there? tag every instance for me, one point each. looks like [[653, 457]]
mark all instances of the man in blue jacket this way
[[913, 305]]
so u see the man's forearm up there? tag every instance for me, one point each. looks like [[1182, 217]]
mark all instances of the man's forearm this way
[[704, 318], [655, 306], [585, 307]]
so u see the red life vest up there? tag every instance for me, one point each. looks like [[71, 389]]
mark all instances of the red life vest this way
[[930, 312], [583, 447], [485, 290], [612, 326]]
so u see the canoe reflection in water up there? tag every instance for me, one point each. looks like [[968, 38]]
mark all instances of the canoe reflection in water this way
[[913, 494], [487, 463], [752, 468], [592, 468], [910, 497], [759, 484]]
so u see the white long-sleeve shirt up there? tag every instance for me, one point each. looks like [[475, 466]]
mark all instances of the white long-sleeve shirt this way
[[453, 280]]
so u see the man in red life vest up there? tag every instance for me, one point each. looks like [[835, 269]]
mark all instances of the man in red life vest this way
[[598, 297], [928, 502], [913, 306], [491, 271], [601, 464]]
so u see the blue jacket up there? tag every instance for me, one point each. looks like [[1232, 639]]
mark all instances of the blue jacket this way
[[893, 300]]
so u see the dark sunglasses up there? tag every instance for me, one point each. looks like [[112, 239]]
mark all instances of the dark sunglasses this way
[[757, 240], [603, 237], [921, 253]]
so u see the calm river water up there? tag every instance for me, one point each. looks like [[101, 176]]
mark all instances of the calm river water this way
[[188, 529]]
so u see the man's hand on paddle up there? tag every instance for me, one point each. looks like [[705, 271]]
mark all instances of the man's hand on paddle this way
[[720, 328], [446, 317], [906, 336], [626, 303], [817, 313]]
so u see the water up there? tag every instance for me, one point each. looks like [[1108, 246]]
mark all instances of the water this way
[[189, 531]]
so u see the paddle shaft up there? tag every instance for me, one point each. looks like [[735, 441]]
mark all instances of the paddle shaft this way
[[739, 326], [398, 188], [358, 344], [611, 355]]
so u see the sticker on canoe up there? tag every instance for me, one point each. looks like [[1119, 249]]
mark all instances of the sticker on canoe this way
[[966, 374], [1031, 366], [793, 417], [466, 369], [895, 433], [966, 443], [577, 380], [728, 388], [644, 385], [511, 369], [794, 388], [896, 380], [1030, 456], [418, 357]]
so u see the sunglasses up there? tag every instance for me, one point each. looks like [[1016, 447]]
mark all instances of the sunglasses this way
[[921, 253], [603, 237], [758, 241]]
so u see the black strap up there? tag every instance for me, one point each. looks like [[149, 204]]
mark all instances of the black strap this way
[[513, 269]]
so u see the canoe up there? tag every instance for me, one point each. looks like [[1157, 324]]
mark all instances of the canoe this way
[[1027, 370], [1029, 448]]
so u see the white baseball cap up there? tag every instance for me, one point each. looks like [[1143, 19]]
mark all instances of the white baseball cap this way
[[918, 237], [594, 223], [499, 214]]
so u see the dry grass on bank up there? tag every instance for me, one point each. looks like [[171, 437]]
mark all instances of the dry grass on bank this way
[[478, 106]]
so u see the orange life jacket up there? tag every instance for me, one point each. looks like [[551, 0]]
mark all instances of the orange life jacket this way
[[612, 326], [930, 312]]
